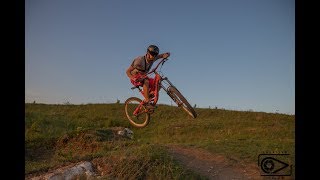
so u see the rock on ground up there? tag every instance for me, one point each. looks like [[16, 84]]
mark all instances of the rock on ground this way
[[82, 169]]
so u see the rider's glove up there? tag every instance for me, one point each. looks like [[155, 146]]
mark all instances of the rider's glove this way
[[166, 55]]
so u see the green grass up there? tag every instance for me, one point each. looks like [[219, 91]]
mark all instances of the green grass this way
[[234, 134]]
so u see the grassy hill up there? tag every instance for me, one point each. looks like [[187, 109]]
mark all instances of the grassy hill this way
[[87, 129]]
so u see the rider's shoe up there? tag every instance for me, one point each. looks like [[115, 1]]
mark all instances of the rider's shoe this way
[[149, 105], [150, 108]]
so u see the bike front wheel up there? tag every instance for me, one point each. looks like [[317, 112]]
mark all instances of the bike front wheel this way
[[136, 113], [181, 101]]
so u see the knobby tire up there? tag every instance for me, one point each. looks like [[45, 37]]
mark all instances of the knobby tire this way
[[142, 119]]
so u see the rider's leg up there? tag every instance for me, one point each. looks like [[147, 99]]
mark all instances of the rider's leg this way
[[146, 90], [146, 85]]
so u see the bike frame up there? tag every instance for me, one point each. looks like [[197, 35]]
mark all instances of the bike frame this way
[[154, 94]]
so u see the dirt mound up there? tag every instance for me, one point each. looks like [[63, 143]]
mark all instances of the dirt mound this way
[[86, 142]]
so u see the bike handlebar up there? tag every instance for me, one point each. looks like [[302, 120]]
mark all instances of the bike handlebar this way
[[154, 69]]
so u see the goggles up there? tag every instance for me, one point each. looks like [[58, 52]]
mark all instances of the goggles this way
[[153, 53]]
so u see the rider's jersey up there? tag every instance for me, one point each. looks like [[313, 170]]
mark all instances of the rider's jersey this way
[[141, 65]]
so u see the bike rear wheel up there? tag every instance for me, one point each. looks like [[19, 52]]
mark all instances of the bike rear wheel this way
[[142, 118], [181, 101]]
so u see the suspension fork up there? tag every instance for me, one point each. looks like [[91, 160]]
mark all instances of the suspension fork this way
[[163, 87], [177, 101]]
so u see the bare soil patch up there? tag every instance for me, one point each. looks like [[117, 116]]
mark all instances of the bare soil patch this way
[[213, 166]]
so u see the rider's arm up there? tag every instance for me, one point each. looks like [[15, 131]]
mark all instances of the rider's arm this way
[[128, 72], [132, 72]]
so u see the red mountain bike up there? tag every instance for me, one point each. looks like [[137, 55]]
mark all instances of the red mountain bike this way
[[136, 111]]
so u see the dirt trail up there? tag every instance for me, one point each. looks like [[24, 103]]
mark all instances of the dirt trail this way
[[213, 166]]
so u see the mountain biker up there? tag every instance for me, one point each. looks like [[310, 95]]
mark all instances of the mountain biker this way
[[141, 66]]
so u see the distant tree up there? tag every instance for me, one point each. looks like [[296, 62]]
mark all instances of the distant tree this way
[[195, 105], [118, 101]]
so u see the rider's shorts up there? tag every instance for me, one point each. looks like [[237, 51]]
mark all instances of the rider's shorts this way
[[151, 82]]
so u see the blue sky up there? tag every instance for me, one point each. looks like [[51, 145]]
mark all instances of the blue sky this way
[[232, 54]]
